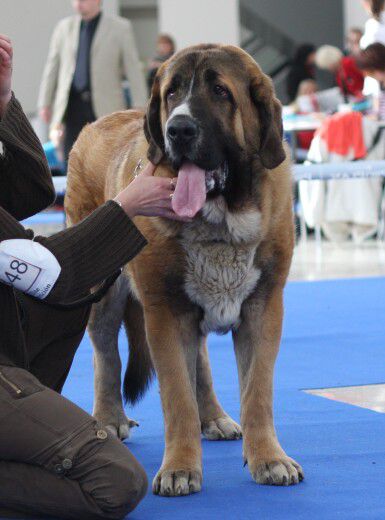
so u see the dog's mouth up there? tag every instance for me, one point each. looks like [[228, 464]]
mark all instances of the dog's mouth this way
[[193, 185], [216, 179]]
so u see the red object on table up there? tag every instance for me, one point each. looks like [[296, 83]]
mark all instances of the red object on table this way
[[342, 133]]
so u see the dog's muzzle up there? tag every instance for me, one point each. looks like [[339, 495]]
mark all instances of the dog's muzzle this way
[[182, 132]]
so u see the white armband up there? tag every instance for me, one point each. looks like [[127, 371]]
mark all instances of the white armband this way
[[28, 266]]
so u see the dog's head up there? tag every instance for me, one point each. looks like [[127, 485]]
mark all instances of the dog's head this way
[[212, 114]]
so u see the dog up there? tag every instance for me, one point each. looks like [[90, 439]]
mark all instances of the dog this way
[[214, 122]]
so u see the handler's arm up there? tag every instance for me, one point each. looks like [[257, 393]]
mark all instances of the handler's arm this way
[[25, 180], [87, 253]]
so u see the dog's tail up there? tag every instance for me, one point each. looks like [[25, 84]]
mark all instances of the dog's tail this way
[[138, 376], [140, 370]]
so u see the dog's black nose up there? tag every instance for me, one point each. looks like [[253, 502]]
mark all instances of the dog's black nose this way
[[182, 130]]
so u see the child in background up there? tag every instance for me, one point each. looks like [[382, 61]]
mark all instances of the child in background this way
[[306, 103], [353, 39]]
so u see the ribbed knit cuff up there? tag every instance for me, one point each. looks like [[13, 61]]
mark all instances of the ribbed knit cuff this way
[[93, 250]]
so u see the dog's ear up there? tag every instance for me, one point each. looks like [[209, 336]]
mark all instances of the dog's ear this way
[[271, 149], [153, 125]]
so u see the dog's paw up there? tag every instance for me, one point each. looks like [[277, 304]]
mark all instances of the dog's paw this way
[[174, 483], [117, 423], [280, 471], [221, 429]]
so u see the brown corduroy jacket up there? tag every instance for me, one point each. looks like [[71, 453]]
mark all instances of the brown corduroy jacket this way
[[87, 253]]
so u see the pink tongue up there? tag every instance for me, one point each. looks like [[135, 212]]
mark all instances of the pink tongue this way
[[190, 191]]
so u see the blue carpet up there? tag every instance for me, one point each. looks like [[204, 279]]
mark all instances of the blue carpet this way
[[334, 335]]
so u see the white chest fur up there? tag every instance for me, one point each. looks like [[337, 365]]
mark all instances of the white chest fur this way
[[220, 271]]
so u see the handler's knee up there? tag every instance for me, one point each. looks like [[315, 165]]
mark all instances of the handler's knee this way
[[117, 482], [129, 487]]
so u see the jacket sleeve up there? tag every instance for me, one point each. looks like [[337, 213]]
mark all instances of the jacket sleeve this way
[[25, 179], [51, 70], [87, 253], [132, 67]]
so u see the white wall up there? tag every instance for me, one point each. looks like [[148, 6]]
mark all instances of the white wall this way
[[200, 21], [145, 24], [30, 24], [354, 14]]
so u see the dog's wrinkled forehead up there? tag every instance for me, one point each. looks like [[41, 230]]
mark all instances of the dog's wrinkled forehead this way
[[189, 73]]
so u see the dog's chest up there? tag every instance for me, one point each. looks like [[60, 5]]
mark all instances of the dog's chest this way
[[219, 277]]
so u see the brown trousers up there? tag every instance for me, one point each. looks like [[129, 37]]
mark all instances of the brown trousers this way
[[55, 460]]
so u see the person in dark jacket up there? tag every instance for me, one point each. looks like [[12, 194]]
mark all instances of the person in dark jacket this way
[[55, 460], [302, 67]]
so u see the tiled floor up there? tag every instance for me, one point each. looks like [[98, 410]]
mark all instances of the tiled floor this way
[[329, 261], [364, 396]]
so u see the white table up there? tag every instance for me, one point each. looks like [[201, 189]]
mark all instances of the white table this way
[[301, 123], [339, 170]]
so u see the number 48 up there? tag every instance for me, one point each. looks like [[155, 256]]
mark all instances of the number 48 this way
[[20, 267]]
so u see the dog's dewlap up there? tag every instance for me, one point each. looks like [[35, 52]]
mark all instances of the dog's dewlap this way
[[28, 266]]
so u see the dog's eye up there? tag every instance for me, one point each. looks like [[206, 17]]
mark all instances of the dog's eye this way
[[171, 93], [221, 91]]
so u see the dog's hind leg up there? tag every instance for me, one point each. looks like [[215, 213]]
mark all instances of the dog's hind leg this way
[[105, 321], [215, 423]]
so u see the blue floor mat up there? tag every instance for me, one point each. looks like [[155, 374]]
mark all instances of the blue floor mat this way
[[334, 335]]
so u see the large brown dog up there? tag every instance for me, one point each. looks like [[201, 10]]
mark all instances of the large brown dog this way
[[214, 121]]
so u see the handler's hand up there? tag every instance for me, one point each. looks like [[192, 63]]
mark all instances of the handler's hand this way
[[149, 196], [6, 54]]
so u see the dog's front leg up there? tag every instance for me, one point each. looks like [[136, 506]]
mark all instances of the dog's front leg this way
[[256, 345], [174, 343]]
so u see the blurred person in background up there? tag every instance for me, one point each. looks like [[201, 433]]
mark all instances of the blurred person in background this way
[[374, 32], [375, 26], [89, 55], [301, 68], [372, 62], [348, 76], [353, 40], [165, 48], [308, 88]]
